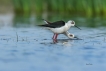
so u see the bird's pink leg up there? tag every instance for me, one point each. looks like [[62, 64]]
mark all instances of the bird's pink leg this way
[[55, 38]]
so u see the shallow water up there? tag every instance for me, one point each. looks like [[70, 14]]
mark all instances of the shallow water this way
[[31, 49]]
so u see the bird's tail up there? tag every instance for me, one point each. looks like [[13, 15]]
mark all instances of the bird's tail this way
[[47, 22], [42, 25]]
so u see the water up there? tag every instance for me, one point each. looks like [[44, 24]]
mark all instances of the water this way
[[31, 49]]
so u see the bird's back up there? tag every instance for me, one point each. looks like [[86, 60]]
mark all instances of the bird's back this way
[[56, 24]]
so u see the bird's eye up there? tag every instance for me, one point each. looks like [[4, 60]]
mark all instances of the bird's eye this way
[[72, 22]]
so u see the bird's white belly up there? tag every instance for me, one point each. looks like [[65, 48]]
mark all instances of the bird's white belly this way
[[59, 30]]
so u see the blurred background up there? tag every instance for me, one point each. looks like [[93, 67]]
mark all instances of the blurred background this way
[[89, 13]]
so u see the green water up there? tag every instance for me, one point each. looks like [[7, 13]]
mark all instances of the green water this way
[[80, 21]]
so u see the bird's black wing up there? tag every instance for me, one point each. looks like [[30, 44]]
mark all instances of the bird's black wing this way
[[58, 24], [54, 24], [47, 25]]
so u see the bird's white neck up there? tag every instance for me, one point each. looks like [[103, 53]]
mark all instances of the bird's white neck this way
[[68, 25]]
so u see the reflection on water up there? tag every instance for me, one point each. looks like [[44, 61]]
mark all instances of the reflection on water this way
[[32, 20], [80, 21], [6, 20], [34, 50]]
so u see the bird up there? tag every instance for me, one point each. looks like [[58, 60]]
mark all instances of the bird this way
[[69, 35], [60, 27]]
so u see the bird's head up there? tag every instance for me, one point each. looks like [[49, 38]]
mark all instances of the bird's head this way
[[72, 23], [72, 36]]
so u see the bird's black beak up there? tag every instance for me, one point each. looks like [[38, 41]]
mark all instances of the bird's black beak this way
[[76, 37], [77, 27]]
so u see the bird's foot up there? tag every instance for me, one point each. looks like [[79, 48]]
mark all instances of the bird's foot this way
[[55, 41]]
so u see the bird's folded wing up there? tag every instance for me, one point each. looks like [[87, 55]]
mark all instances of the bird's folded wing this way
[[47, 25]]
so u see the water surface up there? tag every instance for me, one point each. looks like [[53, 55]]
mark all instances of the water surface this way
[[31, 49]]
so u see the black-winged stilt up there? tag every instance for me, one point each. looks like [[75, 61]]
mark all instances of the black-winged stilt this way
[[60, 27]]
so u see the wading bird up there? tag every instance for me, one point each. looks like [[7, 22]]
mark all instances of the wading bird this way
[[60, 27]]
